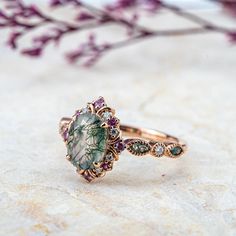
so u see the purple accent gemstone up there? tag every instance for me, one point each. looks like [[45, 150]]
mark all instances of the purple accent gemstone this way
[[112, 121], [88, 177], [99, 103], [65, 135], [120, 146], [105, 166]]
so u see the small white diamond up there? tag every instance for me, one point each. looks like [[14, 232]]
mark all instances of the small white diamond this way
[[84, 110], [98, 170], [109, 157], [113, 132], [159, 150], [106, 115]]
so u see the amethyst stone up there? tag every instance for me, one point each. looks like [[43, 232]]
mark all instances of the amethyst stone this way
[[112, 122], [120, 146], [65, 135], [99, 103]]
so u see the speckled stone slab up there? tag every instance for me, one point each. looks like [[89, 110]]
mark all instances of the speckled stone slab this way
[[183, 86]]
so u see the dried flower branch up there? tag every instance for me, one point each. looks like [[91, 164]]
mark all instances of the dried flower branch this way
[[229, 6], [23, 19]]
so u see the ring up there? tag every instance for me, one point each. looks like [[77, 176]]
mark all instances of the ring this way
[[94, 140]]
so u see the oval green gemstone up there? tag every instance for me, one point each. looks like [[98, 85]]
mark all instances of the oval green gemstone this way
[[87, 141]]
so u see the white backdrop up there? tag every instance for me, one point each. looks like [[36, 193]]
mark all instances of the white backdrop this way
[[184, 86]]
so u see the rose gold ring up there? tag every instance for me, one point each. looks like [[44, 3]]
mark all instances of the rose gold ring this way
[[94, 140]]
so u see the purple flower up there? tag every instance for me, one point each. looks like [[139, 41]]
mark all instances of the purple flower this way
[[232, 37], [2, 15], [43, 39], [73, 56], [121, 5], [20, 18], [33, 52], [12, 41], [151, 5], [58, 3], [84, 16], [88, 52], [126, 3], [229, 7]]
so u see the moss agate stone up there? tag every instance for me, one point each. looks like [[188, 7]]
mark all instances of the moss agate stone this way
[[87, 141]]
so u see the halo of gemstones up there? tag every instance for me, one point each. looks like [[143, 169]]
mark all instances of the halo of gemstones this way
[[93, 155]]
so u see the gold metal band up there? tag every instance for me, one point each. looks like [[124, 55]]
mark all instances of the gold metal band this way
[[149, 134]]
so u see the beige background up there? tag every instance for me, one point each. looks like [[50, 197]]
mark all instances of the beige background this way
[[184, 86]]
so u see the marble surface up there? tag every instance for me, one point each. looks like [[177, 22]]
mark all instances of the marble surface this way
[[184, 86]]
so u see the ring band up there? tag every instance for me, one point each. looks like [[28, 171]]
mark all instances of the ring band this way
[[95, 138]]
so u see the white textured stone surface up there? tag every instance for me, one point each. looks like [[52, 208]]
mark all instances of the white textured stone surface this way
[[183, 86]]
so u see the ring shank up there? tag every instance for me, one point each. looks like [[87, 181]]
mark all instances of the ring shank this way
[[149, 134]]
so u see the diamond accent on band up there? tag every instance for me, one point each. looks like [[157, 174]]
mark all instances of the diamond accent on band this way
[[158, 150]]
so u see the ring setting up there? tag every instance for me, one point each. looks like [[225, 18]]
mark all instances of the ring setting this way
[[94, 140]]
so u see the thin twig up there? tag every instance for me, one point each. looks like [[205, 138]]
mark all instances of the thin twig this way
[[98, 18], [157, 33], [194, 18], [119, 20]]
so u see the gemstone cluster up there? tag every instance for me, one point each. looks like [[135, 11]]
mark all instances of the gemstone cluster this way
[[140, 147], [93, 140]]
